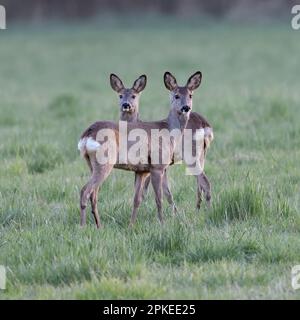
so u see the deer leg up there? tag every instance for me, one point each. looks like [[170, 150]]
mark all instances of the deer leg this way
[[139, 184], [82, 206], [146, 187], [156, 180], [94, 205], [203, 186], [88, 160], [86, 192], [200, 186], [100, 173], [206, 188], [94, 195], [168, 193], [199, 193]]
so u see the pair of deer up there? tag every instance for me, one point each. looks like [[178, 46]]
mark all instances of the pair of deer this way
[[179, 117]]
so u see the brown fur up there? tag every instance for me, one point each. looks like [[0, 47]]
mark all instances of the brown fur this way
[[195, 122], [100, 172], [177, 119]]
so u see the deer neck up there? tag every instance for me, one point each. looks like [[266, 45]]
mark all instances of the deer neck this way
[[176, 122], [129, 117]]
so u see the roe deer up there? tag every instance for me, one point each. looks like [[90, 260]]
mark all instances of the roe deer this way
[[91, 148], [129, 97], [195, 122], [129, 111]]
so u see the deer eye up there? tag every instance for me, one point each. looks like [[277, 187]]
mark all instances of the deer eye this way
[[191, 96], [120, 96], [133, 97], [177, 96]]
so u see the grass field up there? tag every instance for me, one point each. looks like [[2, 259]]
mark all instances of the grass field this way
[[54, 83]]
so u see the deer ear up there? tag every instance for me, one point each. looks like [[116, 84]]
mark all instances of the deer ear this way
[[140, 83], [194, 81], [116, 83], [170, 81]]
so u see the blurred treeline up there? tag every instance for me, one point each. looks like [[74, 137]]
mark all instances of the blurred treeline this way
[[83, 9]]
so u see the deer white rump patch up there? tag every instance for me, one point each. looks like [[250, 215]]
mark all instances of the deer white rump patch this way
[[89, 144]]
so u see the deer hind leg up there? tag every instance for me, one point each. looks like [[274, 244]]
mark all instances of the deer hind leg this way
[[199, 193], [201, 182], [94, 194], [89, 191], [156, 180], [88, 160], [203, 186], [206, 188], [168, 193], [138, 196], [94, 206]]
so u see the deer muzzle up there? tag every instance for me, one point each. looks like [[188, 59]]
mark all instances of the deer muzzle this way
[[126, 107], [185, 109]]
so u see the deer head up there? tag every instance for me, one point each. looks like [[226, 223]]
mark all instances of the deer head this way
[[128, 98], [182, 97]]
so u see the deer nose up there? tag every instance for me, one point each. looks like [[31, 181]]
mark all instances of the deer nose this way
[[185, 109], [126, 106]]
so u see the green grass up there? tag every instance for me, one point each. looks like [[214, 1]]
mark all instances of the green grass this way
[[54, 83]]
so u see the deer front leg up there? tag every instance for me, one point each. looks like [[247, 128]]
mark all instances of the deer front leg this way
[[168, 193], [156, 180], [139, 184], [146, 187], [166, 190]]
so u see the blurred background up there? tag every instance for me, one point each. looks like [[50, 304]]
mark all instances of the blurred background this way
[[39, 10]]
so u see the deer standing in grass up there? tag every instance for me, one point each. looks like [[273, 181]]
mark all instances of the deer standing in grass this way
[[89, 146], [196, 122], [129, 111]]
